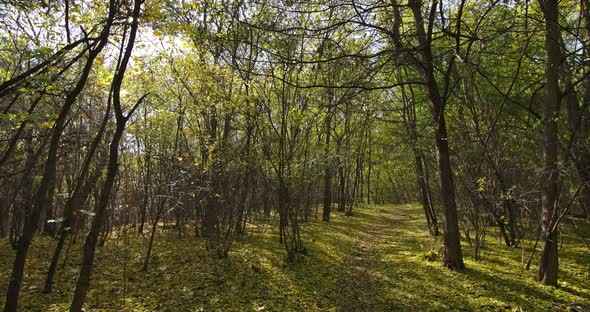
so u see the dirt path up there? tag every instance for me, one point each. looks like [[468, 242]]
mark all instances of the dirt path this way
[[357, 281]]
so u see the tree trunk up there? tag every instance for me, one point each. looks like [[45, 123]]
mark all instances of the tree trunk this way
[[452, 240], [341, 186], [49, 227], [81, 191], [146, 189], [3, 217], [369, 165], [453, 255], [246, 180], [328, 171], [32, 218], [153, 234], [579, 120], [425, 196], [548, 265], [100, 214]]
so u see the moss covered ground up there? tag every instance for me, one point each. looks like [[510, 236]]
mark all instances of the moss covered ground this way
[[380, 259]]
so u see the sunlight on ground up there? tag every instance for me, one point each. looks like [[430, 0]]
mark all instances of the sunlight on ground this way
[[376, 260]]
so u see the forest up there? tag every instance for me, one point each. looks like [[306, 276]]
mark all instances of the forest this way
[[294, 155]]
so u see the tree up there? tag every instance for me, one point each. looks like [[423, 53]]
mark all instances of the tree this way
[[424, 64], [548, 265], [44, 191], [83, 282]]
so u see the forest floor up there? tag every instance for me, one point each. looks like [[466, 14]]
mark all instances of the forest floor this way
[[380, 259]]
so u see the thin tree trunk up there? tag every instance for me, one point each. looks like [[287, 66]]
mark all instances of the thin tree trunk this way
[[328, 170], [548, 265], [83, 282], [424, 196], [153, 234], [81, 192], [100, 215], [146, 190], [369, 163], [32, 219], [246, 181], [341, 186]]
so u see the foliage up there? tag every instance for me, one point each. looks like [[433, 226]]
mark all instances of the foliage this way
[[371, 261], [226, 124]]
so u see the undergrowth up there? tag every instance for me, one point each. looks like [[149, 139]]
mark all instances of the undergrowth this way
[[379, 259]]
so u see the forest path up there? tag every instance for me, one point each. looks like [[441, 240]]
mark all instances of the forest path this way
[[380, 259], [360, 283]]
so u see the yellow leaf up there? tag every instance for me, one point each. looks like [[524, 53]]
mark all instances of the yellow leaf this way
[[48, 124]]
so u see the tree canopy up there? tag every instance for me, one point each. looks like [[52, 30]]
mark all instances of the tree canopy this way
[[216, 119]]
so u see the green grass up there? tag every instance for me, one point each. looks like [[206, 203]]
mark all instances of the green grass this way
[[375, 260]]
